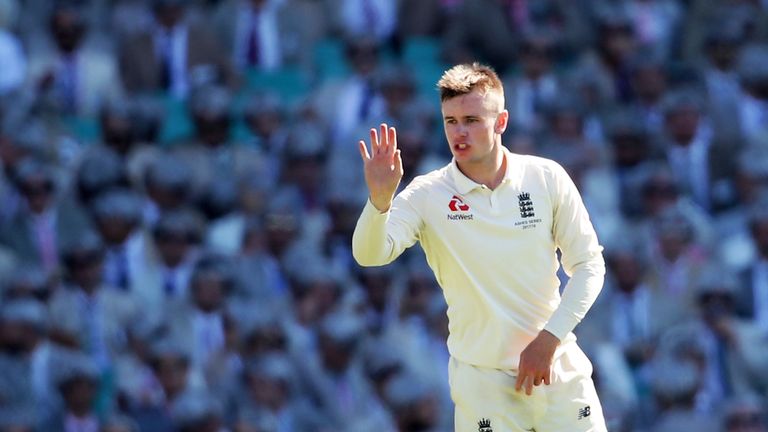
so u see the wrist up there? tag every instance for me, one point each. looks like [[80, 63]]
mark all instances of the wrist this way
[[549, 338], [382, 205]]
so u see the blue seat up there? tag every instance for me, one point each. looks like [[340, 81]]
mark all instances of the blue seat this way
[[291, 83]]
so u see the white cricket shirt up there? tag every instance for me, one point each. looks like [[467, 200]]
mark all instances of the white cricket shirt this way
[[493, 253]]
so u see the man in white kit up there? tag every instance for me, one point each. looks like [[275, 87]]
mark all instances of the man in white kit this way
[[490, 223]]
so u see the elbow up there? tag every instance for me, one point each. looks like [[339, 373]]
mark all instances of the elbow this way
[[365, 259]]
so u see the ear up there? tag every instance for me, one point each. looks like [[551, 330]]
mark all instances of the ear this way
[[502, 120]]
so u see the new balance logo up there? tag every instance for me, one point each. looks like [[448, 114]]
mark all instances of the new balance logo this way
[[526, 205], [584, 412], [484, 425], [457, 204]]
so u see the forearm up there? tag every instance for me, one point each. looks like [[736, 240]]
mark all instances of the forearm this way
[[580, 293], [370, 244]]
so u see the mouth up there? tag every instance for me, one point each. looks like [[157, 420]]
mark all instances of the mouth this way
[[461, 147]]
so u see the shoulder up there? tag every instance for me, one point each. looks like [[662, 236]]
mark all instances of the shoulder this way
[[539, 164], [428, 182]]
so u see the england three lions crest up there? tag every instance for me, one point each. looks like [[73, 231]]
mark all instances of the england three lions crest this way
[[484, 425], [526, 205]]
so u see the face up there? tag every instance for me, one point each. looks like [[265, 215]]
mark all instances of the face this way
[[68, 30], [473, 124], [208, 292], [79, 394], [745, 420], [268, 392], [649, 83], [536, 59], [117, 133], [683, 124], [87, 270], [39, 194], [172, 371], [173, 248], [627, 271], [115, 230], [168, 16], [760, 236]]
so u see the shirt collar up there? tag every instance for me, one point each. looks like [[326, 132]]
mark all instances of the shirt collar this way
[[465, 185]]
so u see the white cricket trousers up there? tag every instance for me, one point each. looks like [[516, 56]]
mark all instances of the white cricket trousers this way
[[486, 400]]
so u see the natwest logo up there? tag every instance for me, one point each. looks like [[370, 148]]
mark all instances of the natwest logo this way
[[457, 204], [459, 210]]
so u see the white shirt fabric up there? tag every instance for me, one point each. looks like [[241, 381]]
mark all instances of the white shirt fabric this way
[[691, 165], [496, 267], [208, 329], [175, 41], [81, 424], [377, 18], [630, 317], [14, 62], [753, 114], [265, 21], [760, 294]]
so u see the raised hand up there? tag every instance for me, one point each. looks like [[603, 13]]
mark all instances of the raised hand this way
[[383, 166]]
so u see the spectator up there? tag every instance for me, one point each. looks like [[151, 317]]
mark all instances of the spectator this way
[[86, 313], [171, 378], [337, 378], [27, 282], [72, 77], [184, 54], [269, 398], [201, 321], [537, 86], [484, 31], [654, 22], [252, 31], [97, 172], [348, 103], [753, 73], [211, 151], [369, 18], [609, 63], [44, 222], [168, 261], [751, 300], [197, 412], [167, 182], [690, 149], [676, 259], [675, 384], [727, 347], [649, 80], [117, 217], [720, 75], [744, 414], [12, 55], [413, 403], [28, 361]]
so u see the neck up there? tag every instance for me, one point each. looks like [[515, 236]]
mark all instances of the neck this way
[[488, 172]]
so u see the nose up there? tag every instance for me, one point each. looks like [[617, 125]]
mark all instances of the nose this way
[[462, 130]]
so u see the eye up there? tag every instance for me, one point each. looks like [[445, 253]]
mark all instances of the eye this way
[[450, 121]]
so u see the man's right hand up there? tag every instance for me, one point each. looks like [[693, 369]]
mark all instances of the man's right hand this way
[[383, 166]]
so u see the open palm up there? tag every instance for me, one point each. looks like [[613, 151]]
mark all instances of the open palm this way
[[383, 166]]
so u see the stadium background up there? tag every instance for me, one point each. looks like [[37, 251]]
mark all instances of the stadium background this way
[[179, 184]]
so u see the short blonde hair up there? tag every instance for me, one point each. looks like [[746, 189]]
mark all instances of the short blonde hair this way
[[464, 78]]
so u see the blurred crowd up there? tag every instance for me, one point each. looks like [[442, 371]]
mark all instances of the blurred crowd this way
[[179, 182]]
